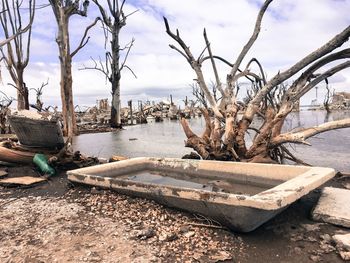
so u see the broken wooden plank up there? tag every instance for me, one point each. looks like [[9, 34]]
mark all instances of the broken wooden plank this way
[[24, 180]]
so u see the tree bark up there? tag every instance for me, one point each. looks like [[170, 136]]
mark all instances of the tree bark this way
[[22, 92], [115, 78], [69, 121], [63, 10]]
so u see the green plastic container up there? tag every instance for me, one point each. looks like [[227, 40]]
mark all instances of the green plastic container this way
[[40, 160]]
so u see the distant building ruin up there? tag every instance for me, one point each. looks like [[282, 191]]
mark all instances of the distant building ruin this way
[[103, 105], [341, 99]]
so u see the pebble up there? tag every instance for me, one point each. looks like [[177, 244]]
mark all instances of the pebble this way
[[190, 234], [298, 250], [315, 258], [145, 233]]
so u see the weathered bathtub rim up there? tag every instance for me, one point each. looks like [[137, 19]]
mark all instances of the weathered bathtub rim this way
[[274, 198]]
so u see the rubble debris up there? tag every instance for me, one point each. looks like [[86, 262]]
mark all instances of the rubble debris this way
[[145, 233], [333, 207], [8, 137], [342, 241], [343, 245], [97, 118], [24, 180], [340, 100], [311, 227], [192, 155], [221, 256], [117, 158]]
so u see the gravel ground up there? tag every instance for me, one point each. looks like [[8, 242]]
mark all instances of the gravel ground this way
[[58, 222]]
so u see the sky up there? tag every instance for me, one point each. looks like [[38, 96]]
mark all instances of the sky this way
[[290, 30]]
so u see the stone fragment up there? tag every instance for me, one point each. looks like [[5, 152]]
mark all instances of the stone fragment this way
[[94, 190], [189, 234], [333, 207], [345, 255], [342, 241], [315, 258], [311, 227], [298, 250], [221, 256], [145, 233], [167, 237], [343, 245], [184, 229]]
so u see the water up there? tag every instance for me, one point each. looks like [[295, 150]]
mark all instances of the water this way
[[193, 182], [166, 139]]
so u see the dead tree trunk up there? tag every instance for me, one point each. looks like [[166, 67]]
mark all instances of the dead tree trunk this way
[[63, 10], [113, 22], [224, 137], [66, 83], [327, 98], [16, 55], [115, 77]]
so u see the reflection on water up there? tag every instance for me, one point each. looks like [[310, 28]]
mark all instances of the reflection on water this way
[[201, 183], [166, 139]]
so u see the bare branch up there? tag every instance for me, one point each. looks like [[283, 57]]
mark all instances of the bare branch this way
[[260, 68], [335, 42], [95, 67], [126, 66], [106, 20], [182, 53], [127, 53], [301, 136], [196, 67], [218, 82], [85, 40], [251, 40], [320, 78]]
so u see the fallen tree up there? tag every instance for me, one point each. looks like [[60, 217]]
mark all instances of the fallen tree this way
[[272, 100]]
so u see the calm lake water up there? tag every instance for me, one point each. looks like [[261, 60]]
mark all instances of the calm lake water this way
[[166, 139]]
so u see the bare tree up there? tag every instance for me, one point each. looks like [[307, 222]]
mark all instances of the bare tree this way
[[16, 53], [327, 98], [113, 21], [224, 135], [63, 11], [38, 93]]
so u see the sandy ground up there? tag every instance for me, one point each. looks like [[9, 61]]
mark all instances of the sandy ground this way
[[58, 222]]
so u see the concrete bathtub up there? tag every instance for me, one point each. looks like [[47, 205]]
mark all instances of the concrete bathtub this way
[[241, 196]]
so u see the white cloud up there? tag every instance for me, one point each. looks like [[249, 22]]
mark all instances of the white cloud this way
[[290, 30]]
